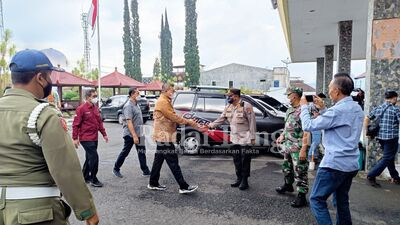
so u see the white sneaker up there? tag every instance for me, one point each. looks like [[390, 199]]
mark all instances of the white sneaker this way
[[190, 189], [157, 188]]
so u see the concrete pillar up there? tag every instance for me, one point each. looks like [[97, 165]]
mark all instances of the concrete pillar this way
[[320, 75], [383, 59], [60, 93], [80, 95], [328, 69], [344, 46]]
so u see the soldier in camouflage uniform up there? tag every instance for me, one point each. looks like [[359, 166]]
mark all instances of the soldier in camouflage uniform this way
[[295, 143]]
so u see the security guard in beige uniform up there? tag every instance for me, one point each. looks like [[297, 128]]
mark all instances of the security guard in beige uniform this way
[[242, 120], [38, 161]]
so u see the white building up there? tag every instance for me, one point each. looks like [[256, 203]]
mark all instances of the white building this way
[[243, 76]]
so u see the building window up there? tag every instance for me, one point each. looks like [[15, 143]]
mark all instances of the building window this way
[[213, 83], [230, 84]]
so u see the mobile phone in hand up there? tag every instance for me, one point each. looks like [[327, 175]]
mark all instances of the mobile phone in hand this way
[[310, 98]]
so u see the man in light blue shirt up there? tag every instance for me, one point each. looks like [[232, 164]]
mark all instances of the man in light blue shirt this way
[[342, 126]]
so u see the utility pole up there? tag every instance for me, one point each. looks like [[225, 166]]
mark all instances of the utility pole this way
[[287, 62], [86, 48]]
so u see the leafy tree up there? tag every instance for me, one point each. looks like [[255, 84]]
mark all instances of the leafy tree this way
[[7, 50], [136, 70], [127, 40], [191, 49], [79, 71]]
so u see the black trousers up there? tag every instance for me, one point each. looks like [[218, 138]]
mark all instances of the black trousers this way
[[167, 152], [242, 160], [141, 150], [91, 165]]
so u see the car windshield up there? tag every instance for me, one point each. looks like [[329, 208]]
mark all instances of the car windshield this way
[[117, 101], [267, 107]]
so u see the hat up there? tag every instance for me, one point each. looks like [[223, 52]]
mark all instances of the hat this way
[[296, 90], [30, 60]]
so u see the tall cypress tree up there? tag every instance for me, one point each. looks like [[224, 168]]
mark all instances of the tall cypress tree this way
[[127, 40], [137, 72], [162, 51], [156, 69], [168, 42], [191, 49], [166, 49]]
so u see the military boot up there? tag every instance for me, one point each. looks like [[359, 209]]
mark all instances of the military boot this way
[[284, 188], [237, 182], [244, 184], [300, 201]]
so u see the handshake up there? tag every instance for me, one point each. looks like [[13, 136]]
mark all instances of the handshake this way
[[202, 127]]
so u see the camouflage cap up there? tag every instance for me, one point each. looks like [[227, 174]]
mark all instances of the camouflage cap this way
[[296, 90]]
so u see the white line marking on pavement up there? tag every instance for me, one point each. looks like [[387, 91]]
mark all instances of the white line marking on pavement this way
[[230, 159]]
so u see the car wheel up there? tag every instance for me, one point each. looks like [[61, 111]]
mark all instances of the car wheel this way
[[120, 118], [191, 144]]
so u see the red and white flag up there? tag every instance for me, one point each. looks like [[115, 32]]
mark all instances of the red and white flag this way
[[92, 15]]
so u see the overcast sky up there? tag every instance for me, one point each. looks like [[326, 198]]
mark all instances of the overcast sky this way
[[229, 31]]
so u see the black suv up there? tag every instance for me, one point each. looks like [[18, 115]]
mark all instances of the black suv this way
[[208, 103], [112, 108]]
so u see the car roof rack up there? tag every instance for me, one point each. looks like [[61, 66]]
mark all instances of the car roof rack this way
[[208, 88]]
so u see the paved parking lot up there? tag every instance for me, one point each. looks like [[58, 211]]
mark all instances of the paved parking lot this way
[[127, 201]]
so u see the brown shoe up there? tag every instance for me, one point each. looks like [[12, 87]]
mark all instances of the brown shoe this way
[[372, 182]]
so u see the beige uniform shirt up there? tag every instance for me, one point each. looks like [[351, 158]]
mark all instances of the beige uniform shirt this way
[[242, 122], [56, 163]]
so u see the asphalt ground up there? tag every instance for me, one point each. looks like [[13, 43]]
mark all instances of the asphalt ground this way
[[128, 201]]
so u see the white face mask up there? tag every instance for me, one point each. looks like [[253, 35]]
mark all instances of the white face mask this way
[[138, 98], [94, 100]]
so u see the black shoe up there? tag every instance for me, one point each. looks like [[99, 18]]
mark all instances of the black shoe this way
[[146, 174], [157, 187], [284, 188], [88, 181], [372, 182], [237, 183], [396, 181], [117, 173], [244, 184], [97, 184], [189, 189], [300, 201]]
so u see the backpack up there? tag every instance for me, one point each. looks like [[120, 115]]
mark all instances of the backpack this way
[[373, 126]]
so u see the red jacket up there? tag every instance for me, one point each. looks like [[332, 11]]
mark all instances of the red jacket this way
[[87, 123]]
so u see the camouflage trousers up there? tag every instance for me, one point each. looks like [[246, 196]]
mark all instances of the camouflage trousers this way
[[295, 170]]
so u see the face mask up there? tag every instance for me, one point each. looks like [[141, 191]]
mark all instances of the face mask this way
[[171, 96], [47, 89], [94, 101], [230, 100], [138, 98]]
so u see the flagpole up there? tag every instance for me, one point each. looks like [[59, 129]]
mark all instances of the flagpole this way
[[98, 50]]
